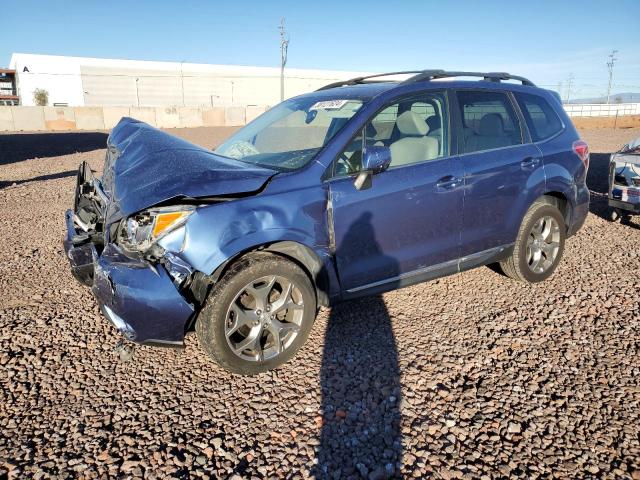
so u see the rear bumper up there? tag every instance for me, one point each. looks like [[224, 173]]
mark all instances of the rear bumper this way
[[137, 297], [580, 210], [627, 206]]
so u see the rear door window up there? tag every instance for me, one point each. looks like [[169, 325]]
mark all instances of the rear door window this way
[[489, 121], [542, 120]]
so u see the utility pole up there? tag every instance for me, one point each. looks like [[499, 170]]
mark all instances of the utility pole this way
[[284, 45], [610, 64], [182, 81], [569, 82]]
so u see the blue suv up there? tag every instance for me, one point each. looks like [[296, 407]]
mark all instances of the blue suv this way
[[361, 187]]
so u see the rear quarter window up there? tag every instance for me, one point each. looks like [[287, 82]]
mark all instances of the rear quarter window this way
[[542, 120]]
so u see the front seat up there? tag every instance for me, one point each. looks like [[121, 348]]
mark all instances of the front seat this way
[[490, 134], [435, 130], [435, 125], [414, 144]]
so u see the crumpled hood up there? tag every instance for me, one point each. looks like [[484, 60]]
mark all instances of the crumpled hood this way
[[145, 166]]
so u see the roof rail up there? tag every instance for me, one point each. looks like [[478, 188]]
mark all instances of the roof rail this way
[[357, 80], [428, 75]]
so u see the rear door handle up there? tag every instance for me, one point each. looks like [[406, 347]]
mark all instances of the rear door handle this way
[[530, 163], [448, 183]]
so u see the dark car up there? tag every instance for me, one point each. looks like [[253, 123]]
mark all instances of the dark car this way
[[356, 189]]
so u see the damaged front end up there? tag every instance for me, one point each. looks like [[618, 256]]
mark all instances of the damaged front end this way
[[136, 281], [85, 227], [126, 234]]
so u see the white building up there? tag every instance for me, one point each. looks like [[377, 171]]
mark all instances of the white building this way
[[80, 81]]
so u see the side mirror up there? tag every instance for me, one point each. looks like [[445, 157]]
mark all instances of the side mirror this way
[[376, 159]]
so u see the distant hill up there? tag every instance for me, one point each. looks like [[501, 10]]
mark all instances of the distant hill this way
[[625, 97]]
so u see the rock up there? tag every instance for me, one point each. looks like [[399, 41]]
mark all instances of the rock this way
[[129, 465], [514, 427], [216, 442], [104, 455], [362, 470], [208, 452], [380, 473]]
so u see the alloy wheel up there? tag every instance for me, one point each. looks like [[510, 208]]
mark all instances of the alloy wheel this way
[[264, 318], [543, 244]]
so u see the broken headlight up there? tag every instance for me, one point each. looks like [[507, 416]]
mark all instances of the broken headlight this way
[[139, 232]]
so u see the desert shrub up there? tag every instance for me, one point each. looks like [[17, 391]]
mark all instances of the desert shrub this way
[[41, 97]]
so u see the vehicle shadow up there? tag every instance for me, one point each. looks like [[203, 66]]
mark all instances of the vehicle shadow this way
[[41, 178], [24, 146], [360, 381], [598, 183], [631, 222]]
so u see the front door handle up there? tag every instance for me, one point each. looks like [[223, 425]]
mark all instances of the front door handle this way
[[448, 183], [530, 163]]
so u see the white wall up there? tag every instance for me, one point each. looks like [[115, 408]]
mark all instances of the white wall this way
[[601, 110], [80, 81]]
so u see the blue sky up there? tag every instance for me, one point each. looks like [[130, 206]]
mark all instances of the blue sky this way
[[544, 40]]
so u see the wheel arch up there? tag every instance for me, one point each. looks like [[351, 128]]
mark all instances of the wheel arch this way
[[561, 201], [310, 261]]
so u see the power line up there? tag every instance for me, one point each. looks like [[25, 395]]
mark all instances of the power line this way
[[569, 81]]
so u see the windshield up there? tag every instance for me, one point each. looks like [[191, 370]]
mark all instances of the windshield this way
[[289, 135]]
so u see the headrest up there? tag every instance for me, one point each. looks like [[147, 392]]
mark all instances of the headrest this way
[[370, 131], [434, 123], [410, 123], [491, 125]]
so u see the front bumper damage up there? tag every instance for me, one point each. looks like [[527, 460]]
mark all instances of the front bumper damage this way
[[138, 297]]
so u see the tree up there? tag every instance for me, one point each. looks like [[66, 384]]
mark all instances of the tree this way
[[41, 97]]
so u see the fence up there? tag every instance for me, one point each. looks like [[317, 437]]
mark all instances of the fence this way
[[601, 109], [15, 119], [19, 118]]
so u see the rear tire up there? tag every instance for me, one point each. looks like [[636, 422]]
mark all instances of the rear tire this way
[[258, 315], [539, 245]]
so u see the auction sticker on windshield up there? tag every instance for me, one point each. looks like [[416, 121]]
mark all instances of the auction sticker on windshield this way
[[328, 105]]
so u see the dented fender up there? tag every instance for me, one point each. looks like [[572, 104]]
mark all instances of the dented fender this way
[[216, 233]]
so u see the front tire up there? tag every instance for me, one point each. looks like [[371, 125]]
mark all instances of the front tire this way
[[539, 245], [258, 315]]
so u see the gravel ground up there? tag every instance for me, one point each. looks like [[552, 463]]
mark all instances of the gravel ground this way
[[469, 376]]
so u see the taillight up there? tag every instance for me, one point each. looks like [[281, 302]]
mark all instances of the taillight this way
[[582, 150]]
